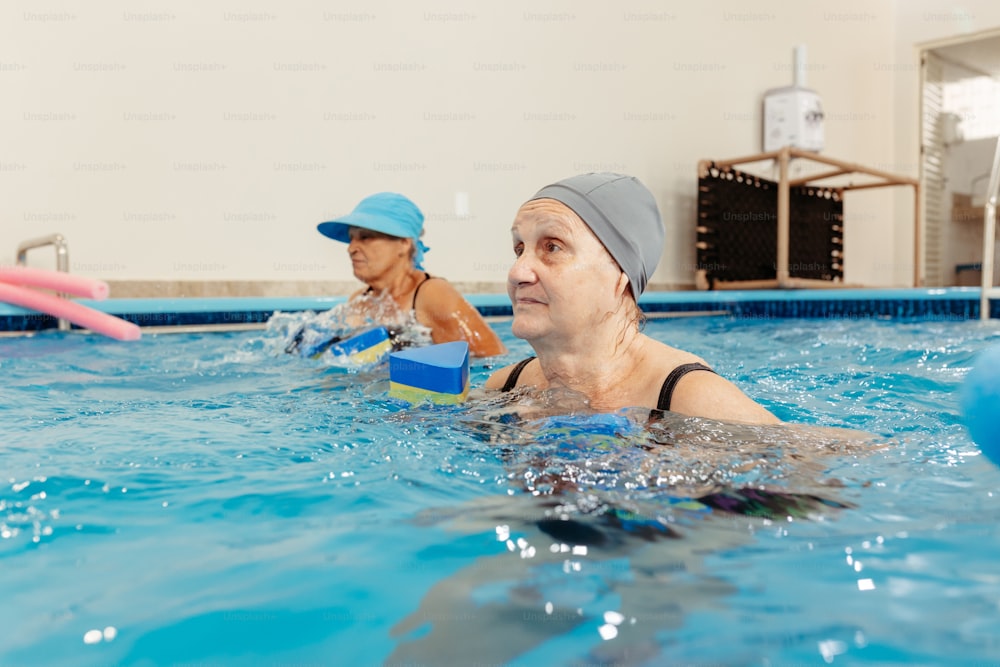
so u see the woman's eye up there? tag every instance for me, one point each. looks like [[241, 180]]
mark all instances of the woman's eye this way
[[552, 246], [518, 249]]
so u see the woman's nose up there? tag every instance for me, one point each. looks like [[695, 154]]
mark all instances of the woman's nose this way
[[522, 270]]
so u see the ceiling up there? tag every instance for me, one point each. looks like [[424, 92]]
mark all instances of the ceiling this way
[[981, 55]]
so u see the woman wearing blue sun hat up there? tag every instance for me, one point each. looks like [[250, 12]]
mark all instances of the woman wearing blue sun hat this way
[[382, 234]]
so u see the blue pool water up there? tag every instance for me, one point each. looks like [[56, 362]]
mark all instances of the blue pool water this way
[[207, 499]]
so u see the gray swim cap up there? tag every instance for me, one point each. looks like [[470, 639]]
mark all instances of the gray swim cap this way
[[622, 213]]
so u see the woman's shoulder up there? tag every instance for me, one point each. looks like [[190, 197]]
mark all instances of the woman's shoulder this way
[[702, 394], [435, 284], [662, 359], [438, 298], [435, 290]]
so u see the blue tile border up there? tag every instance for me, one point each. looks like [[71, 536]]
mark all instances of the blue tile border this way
[[960, 303], [957, 303]]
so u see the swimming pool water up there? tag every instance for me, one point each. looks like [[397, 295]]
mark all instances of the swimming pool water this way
[[207, 499]]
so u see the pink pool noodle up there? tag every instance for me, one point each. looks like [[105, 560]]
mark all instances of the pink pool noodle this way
[[78, 314], [59, 281]]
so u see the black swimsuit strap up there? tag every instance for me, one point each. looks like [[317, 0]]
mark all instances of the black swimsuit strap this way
[[427, 277], [515, 373], [667, 390]]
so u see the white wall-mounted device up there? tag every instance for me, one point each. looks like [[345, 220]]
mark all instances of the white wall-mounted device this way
[[793, 115]]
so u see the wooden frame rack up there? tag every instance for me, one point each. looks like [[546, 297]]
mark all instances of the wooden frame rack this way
[[839, 168]]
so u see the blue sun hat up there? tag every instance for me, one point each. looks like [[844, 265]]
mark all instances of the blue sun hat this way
[[385, 212]]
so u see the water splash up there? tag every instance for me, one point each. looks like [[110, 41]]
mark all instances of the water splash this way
[[311, 333]]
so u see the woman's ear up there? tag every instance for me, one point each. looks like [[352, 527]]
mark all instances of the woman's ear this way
[[622, 285]]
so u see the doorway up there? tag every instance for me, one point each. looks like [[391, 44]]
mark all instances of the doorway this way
[[960, 122]]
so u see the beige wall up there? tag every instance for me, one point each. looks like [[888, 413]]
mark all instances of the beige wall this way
[[203, 141]]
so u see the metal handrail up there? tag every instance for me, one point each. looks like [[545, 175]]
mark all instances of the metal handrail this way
[[62, 258], [990, 238]]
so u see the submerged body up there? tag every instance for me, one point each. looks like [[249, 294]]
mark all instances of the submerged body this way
[[373, 526]]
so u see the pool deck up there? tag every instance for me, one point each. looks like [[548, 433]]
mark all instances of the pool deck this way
[[951, 303]]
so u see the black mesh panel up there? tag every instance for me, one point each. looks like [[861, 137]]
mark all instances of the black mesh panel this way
[[738, 227]]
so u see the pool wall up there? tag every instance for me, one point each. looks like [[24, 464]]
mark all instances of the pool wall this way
[[953, 303]]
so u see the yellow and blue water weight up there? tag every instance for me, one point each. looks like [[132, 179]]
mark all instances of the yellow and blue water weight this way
[[366, 347], [436, 373]]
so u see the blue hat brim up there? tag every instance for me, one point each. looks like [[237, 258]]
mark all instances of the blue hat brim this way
[[339, 229]]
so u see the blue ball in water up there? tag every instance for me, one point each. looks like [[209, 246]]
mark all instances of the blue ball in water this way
[[980, 398]]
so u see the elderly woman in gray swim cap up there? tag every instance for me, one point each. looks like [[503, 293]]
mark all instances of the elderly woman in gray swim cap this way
[[584, 250]]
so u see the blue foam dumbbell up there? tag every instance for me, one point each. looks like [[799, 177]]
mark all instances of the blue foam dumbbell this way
[[437, 373], [363, 348]]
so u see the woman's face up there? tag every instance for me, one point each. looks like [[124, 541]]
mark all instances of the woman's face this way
[[374, 254], [563, 281]]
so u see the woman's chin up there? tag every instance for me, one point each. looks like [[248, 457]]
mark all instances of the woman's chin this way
[[524, 329]]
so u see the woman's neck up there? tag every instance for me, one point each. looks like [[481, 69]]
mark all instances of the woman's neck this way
[[572, 364]]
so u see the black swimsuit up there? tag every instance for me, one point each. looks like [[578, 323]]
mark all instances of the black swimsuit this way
[[666, 391]]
